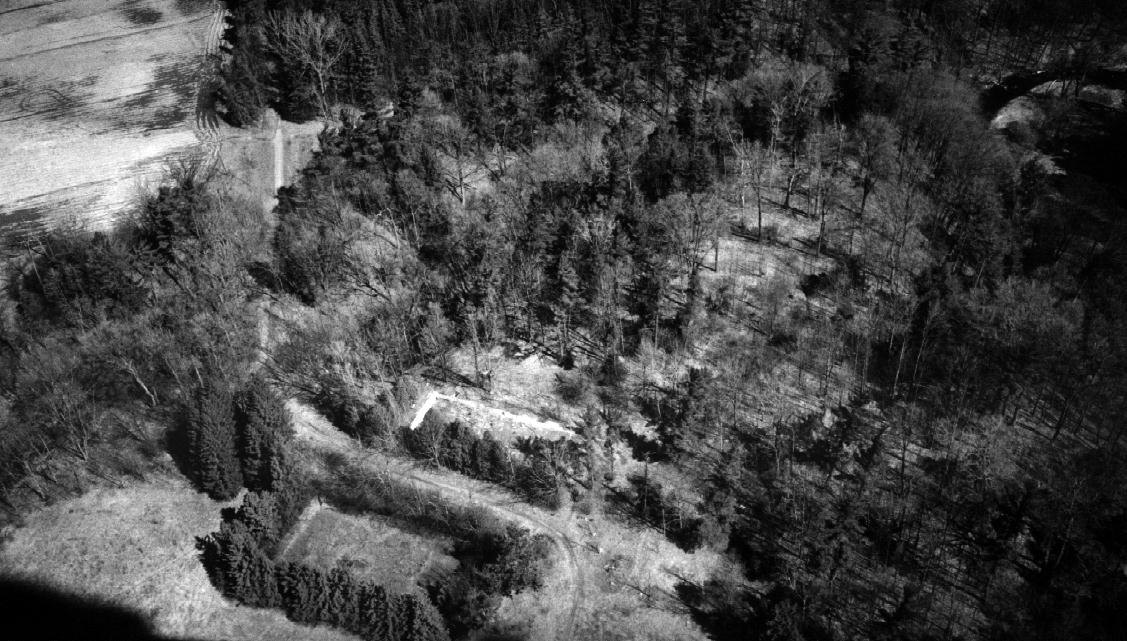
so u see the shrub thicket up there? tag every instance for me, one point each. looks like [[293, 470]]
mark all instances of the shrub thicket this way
[[79, 279], [495, 563]]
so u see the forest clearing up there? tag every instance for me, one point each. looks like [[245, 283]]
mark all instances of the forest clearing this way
[[369, 547]]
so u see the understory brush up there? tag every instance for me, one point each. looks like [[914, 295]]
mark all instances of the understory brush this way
[[114, 329]]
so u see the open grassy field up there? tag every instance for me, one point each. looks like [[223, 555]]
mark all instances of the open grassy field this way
[[371, 547], [95, 96], [135, 548]]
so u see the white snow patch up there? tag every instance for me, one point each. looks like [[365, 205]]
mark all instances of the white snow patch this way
[[1023, 109], [547, 429]]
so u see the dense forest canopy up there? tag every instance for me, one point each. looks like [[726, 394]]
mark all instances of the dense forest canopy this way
[[569, 175]]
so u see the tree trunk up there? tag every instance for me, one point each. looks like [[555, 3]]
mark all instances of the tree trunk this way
[[759, 211], [821, 210]]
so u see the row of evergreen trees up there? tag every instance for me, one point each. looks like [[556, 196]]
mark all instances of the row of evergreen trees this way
[[236, 439], [241, 439], [239, 561], [539, 473]]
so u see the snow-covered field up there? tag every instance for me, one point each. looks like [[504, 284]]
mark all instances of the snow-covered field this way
[[95, 96]]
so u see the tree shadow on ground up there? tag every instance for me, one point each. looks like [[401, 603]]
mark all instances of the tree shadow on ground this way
[[36, 613], [176, 443]]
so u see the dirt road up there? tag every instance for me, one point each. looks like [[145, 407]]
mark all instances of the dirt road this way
[[315, 430]]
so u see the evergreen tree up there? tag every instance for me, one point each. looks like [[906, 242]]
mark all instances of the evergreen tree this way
[[293, 590], [696, 415], [340, 599], [495, 462], [375, 618], [305, 591], [263, 429], [421, 621], [237, 567], [260, 582], [259, 512], [212, 441], [565, 299], [291, 497]]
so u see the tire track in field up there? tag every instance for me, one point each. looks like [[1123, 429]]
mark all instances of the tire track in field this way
[[114, 36], [207, 121]]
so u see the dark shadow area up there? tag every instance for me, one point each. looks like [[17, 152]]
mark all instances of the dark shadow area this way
[[265, 276], [191, 7], [136, 13], [40, 613], [207, 104], [643, 448], [175, 77], [21, 226], [1019, 84], [446, 375], [176, 443]]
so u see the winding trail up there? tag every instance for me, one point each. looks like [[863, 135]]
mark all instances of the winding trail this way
[[317, 431], [206, 120], [100, 38], [572, 582]]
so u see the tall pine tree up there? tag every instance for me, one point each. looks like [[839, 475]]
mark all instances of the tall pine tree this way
[[263, 429], [212, 443]]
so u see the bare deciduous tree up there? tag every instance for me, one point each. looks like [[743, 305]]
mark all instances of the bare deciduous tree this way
[[756, 169], [313, 41]]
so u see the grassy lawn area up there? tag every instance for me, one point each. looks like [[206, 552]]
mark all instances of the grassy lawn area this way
[[369, 546]]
